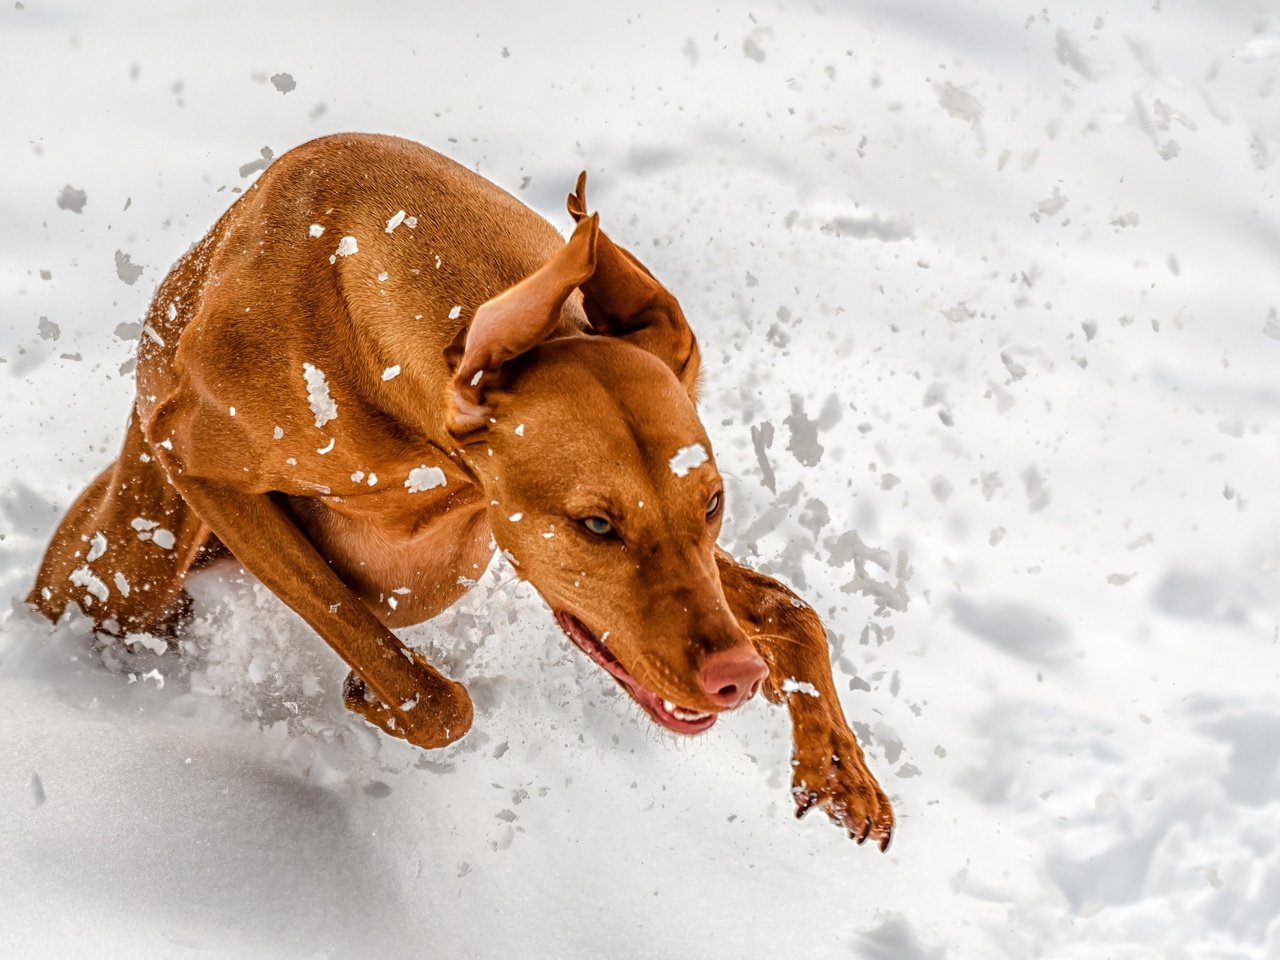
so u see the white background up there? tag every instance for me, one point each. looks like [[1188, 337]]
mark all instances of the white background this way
[[1003, 280]]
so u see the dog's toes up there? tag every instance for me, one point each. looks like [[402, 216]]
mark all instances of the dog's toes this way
[[805, 799]]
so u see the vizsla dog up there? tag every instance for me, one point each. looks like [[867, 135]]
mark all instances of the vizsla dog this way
[[376, 369]]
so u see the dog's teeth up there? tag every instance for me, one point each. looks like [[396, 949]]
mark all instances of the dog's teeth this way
[[688, 715], [680, 713]]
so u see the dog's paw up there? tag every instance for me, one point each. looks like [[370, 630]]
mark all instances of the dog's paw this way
[[830, 773], [432, 717]]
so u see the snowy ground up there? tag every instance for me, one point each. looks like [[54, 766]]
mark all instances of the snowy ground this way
[[991, 289]]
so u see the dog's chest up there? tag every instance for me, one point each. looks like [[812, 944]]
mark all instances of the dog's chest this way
[[407, 556]]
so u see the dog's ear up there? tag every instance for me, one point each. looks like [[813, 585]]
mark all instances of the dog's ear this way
[[622, 299], [513, 322]]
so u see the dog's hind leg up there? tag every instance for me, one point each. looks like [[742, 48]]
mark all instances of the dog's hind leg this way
[[124, 548], [828, 768]]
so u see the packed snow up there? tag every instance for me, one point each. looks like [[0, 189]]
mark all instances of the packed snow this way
[[987, 302]]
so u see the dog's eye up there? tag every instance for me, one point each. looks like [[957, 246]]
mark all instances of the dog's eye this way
[[598, 525], [713, 505]]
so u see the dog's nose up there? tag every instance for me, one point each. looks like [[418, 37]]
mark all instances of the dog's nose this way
[[730, 678]]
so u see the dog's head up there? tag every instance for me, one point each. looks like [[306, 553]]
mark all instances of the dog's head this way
[[602, 486]]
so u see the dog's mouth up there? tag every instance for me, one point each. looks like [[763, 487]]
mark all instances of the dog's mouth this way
[[665, 713]]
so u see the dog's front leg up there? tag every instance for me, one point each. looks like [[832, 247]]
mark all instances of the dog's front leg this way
[[395, 688], [829, 770]]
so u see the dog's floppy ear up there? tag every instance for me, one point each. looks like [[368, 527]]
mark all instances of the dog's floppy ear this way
[[514, 321], [622, 299]]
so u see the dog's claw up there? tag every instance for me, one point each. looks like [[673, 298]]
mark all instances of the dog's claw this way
[[866, 831], [886, 840]]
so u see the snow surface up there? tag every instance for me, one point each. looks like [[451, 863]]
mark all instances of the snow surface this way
[[987, 301]]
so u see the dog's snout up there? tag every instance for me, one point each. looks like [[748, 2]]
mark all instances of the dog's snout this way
[[730, 678]]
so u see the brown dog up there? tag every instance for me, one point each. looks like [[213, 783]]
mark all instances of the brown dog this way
[[376, 367]]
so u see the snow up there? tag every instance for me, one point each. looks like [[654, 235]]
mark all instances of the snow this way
[[424, 478], [72, 199], [792, 685], [390, 373], [842, 197], [85, 578], [347, 246], [323, 407], [686, 458], [397, 218], [37, 789], [315, 230]]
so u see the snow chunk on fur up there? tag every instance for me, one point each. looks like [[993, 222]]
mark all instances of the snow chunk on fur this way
[[323, 406], [686, 458], [89, 581], [424, 478], [792, 685]]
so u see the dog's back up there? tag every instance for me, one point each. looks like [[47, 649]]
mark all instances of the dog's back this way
[[441, 240]]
